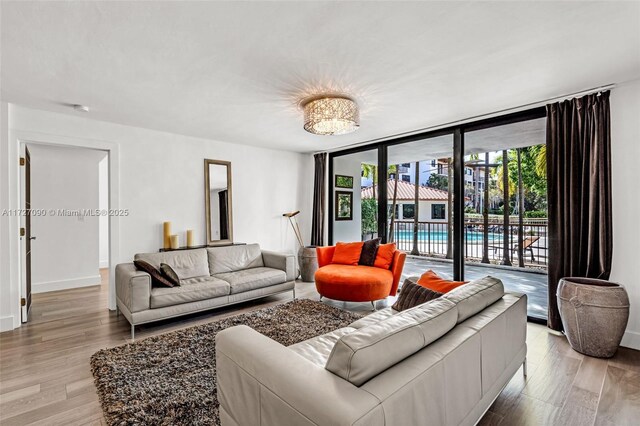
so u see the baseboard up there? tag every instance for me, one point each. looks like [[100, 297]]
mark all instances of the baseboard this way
[[6, 323], [631, 339], [104, 264], [66, 284]]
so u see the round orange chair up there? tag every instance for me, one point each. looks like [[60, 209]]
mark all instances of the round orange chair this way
[[356, 283]]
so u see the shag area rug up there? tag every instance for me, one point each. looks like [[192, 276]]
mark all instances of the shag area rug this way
[[170, 379]]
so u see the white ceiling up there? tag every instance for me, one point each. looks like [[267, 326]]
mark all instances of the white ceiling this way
[[235, 71]]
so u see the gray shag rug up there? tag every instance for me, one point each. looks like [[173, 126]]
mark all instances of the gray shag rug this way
[[170, 379]]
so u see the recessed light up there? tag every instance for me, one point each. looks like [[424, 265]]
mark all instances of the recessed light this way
[[81, 108]]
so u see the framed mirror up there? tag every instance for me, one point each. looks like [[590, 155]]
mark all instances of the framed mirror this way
[[217, 196]]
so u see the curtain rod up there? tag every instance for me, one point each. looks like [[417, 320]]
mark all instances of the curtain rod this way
[[478, 117]]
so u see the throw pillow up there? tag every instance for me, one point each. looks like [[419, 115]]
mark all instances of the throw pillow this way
[[347, 253], [412, 295], [170, 274], [434, 282], [369, 251], [156, 277], [384, 256]]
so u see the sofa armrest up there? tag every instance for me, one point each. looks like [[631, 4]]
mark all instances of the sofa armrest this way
[[263, 382], [133, 287], [284, 261], [396, 267], [325, 254]]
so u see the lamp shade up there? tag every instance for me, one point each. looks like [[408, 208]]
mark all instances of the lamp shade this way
[[331, 115]]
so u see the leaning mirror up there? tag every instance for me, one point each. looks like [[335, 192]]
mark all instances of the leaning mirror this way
[[217, 194]]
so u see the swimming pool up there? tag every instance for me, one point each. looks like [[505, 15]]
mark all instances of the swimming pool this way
[[423, 235]]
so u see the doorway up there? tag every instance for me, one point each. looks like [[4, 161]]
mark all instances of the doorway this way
[[64, 231]]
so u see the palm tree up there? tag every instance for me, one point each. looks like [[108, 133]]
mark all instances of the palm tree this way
[[416, 185], [393, 169], [370, 171], [540, 155]]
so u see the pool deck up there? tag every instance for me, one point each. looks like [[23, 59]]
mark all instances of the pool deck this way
[[534, 285]]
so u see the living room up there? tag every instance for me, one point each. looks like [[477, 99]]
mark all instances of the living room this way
[[436, 138]]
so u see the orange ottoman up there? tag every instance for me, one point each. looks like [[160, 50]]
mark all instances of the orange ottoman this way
[[356, 283]]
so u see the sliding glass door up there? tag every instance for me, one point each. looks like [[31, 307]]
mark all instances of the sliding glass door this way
[[506, 208], [466, 201], [420, 203]]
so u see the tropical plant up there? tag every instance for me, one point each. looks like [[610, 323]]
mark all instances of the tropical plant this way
[[438, 181], [369, 207], [370, 171]]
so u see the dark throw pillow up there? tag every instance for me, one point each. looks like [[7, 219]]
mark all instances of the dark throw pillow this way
[[412, 295], [369, 251], [157, 279], [170, 274]]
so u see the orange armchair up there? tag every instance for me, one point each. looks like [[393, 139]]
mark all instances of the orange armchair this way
[[356, 283]]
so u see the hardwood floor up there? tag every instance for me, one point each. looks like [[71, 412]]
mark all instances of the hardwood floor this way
[[45, 377]]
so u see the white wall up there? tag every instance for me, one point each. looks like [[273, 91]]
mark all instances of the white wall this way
[[347, 230], [625, 152], [65, 253], [103, 204], [161, 178]]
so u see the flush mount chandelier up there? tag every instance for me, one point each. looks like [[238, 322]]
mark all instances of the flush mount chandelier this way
[[331, 115]]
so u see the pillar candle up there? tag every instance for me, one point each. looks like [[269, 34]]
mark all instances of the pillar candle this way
[[189, 237], [167, 235], [174, 242]]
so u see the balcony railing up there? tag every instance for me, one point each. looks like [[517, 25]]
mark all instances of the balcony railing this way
[[433, 241]]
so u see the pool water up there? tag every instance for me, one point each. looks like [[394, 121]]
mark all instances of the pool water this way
[[470, 236]]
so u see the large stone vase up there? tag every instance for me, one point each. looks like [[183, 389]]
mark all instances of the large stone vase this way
[[594, 314], [308, 261]]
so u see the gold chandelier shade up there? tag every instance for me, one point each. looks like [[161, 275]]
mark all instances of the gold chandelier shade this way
[[331, 115]]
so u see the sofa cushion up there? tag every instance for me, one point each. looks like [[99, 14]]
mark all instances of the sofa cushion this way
[[234, 258], [347, 253], [413, 294], [384, 255], [190, 290], [317, 349], [435, 282], [369, 251], [476, 295], [157, 279], [186, 263], [365, 353], [373, 318], [170, 274], [251, 279]]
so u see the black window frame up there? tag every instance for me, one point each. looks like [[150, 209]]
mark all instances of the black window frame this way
[[457, 131]]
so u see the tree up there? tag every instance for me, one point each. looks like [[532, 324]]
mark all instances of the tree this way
[[416, 210], [438, 181], [369, 209], [393, 169], [370, 171]]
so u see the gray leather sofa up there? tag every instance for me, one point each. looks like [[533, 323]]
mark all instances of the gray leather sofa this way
[[209, 278], [440, 363]]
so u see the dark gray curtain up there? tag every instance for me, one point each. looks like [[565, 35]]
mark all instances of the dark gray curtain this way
[[319, 179], [579, 189]]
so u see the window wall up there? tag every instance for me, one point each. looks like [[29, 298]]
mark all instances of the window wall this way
[[429, 193]]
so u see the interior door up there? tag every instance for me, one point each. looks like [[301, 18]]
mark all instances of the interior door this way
[[26, 308]]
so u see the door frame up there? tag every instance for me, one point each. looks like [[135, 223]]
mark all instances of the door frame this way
[[20, 139]]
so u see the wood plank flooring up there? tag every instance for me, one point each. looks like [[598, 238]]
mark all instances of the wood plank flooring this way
[[45, 377]]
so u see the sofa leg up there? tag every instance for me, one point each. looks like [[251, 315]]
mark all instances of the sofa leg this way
[[320, 300], [133, 331], [117, 311], [524, 367], [294, 293], [373, 306]]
